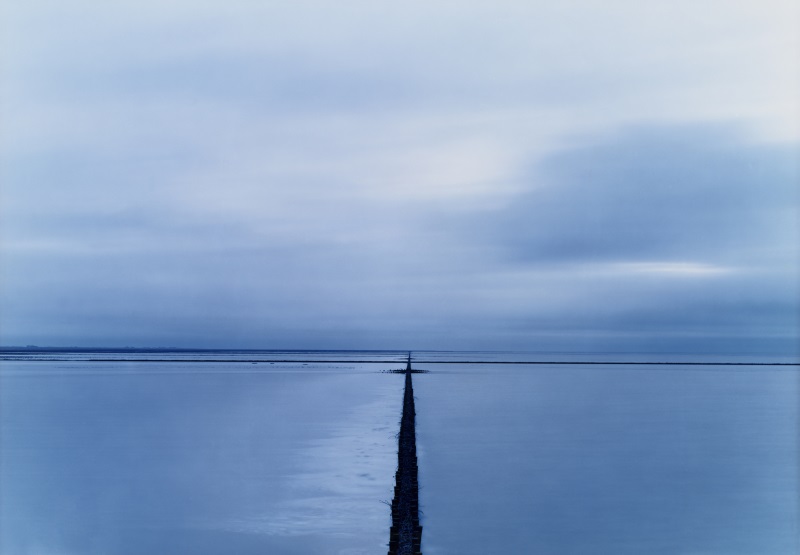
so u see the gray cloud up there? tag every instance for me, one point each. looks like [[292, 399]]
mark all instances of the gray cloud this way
[[261, 174], [664, 193], [664, 237]]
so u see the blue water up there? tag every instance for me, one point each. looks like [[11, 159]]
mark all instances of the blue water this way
[[610, 460], [134, 453], [209, 458]]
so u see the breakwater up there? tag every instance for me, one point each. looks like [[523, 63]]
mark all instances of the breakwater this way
[[405, 535]]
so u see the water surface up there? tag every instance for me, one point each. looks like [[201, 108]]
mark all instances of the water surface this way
[[205, 453], [608, 459], [131, 458]]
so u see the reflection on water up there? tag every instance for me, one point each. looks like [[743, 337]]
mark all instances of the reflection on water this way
[[120, 459], [608, 460], [206, 458]]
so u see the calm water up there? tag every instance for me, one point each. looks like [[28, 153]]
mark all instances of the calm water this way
[[134, 457], [609, 460], [195, 458]]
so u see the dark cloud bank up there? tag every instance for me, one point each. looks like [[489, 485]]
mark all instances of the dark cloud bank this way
[[698, 225], [685, 193]]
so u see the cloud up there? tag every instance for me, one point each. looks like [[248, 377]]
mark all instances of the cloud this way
[[272, 173], [649, 236], [662, 198]]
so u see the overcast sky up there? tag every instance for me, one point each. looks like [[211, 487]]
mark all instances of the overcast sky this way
[[615, 175]]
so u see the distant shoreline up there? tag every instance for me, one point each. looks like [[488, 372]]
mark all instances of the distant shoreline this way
[[361, 361]]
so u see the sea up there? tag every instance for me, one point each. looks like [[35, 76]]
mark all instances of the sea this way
[[209, 452]]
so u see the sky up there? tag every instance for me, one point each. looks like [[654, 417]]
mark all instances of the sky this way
[[576, 175]]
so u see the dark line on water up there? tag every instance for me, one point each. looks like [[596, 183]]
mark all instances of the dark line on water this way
[[362, 361], [615, 362], [405, 535]]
